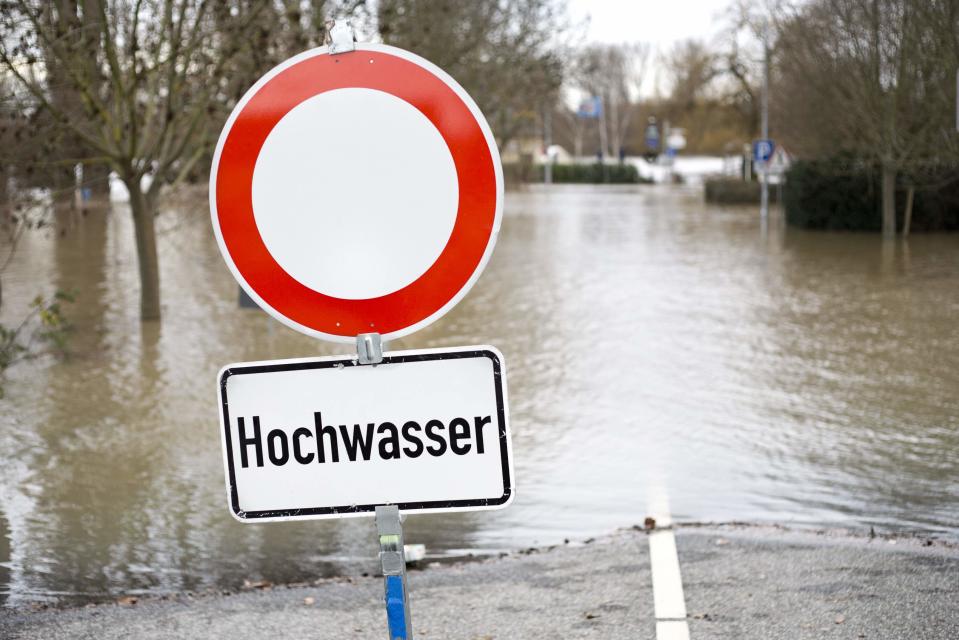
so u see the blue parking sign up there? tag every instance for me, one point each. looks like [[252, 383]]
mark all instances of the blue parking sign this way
[[763, 150]]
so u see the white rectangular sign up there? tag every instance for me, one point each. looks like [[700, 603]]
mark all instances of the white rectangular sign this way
[[426, 430]]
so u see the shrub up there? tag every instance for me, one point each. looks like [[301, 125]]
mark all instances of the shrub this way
[[845, 194], [43, 330], [593, 173], [575, 173], [516, 172], [736, 191]]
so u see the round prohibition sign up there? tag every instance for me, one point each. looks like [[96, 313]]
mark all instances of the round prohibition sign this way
[[358, 192]]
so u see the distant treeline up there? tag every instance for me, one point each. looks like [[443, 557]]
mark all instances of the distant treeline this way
[[844, 194]]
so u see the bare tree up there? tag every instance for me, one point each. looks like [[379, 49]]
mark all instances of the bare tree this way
[[739, 58], [874, 78], [282, 29], [691, 71], [503, 53], [691, 68], [142, 76], [571, 127], [615, 73]]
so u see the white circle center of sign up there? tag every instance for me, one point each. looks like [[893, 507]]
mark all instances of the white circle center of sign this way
[[355, 193]]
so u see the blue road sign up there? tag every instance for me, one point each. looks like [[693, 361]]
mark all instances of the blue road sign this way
[[763, 150], [591, 108]]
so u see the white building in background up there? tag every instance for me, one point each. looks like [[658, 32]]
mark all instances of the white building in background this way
[[690, 169], [557, 155]]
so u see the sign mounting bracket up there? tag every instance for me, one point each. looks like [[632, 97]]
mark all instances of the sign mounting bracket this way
[[342, 39], [369, 348]]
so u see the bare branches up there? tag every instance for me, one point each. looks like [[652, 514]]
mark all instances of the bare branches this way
[[137, 82], [614, 73], [503, 53], [870, 77]]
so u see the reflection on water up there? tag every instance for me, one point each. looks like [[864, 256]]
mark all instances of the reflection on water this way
[[656, 348]]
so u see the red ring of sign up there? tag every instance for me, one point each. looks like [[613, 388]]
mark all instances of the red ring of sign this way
[[475, 173]]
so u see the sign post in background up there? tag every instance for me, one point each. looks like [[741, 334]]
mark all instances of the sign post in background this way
[[762, 153]]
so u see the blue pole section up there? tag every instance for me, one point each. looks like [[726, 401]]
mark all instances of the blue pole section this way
[[396, 607], [390, 532]]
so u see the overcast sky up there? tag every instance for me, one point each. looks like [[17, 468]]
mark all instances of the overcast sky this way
[[659, 22]]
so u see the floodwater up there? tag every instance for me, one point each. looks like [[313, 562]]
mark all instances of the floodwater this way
[[658, 350]]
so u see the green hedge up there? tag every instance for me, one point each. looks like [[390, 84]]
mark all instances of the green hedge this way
[[593, 173], [844, 194], [736, 191], [576, 173]]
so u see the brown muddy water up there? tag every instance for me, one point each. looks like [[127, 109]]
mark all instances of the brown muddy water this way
[[658, 349]]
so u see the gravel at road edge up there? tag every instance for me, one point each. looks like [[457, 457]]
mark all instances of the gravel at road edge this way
[[740, 582]]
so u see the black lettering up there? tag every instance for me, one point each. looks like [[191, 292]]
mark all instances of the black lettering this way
[[478, 424], [393, 439], [438, 439], [278, 460], [413, 440], [302, 432], [255, 441], [459, 429], [357, 443], [321, 431]]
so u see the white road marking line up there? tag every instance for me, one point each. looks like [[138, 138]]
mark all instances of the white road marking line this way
[[668, 596], [669, 602]]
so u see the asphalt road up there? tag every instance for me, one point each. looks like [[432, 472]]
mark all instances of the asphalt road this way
[[740, 582]]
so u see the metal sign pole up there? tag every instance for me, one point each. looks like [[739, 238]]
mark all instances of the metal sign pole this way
[[764, 164], [390, 532], [389, 529]]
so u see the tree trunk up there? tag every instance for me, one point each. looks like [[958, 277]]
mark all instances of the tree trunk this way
[[888, 200], [143, 209], [603, 141], [907, 221], [615, 142], [4, 191], [96, 177]]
